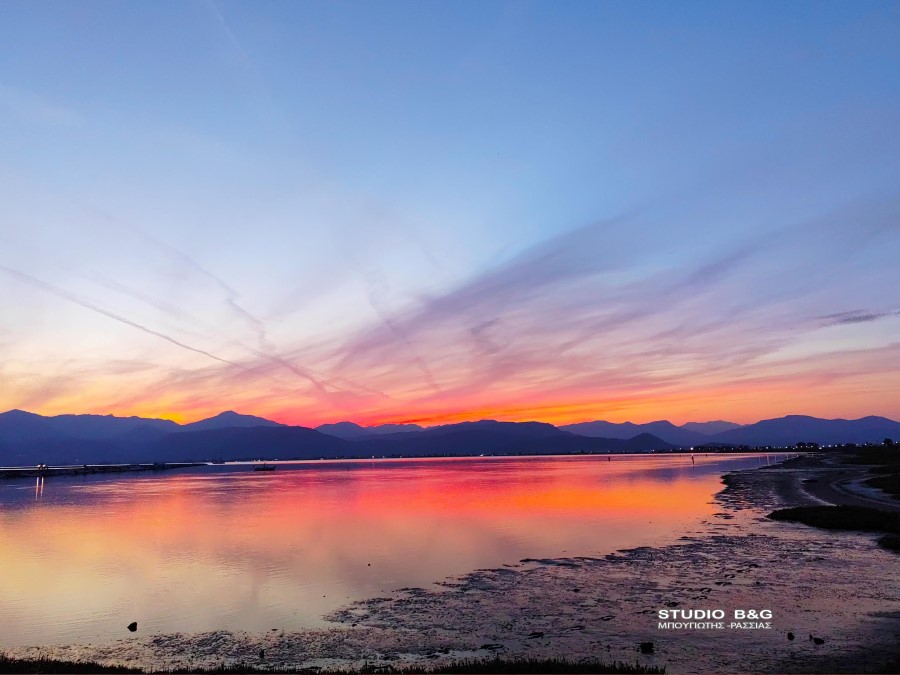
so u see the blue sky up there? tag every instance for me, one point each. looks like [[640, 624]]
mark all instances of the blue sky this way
[[310, 186]]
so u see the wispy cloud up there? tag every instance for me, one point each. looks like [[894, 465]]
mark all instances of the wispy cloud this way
[[601, 310], [70, 297], [853, 316]]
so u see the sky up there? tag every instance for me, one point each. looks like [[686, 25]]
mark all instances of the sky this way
[[436, 212]]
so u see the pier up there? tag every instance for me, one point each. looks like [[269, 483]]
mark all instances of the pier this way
[[89, 469]]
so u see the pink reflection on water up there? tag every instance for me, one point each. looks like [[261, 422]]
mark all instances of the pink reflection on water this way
[[229, 548]]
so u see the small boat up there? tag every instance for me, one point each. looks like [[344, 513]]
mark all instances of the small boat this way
[[264, 467]]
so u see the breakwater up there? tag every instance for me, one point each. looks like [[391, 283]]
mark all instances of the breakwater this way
[[86, 469]]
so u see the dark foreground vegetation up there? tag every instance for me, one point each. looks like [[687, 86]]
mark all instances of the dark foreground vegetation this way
[[890, 542], [842, 518], [885, 462], [889, 481], [495, 665], [890, 667], [8, 665], [858, 518]]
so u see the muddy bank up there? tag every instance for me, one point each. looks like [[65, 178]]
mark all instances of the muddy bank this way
[[839, 588]]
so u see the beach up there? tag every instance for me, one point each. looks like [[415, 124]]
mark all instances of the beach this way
[[837, 587]]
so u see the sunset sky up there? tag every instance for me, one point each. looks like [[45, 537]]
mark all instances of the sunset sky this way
[[439, 211]]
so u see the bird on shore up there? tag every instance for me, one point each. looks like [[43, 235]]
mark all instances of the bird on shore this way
[[790, 636], [817, 641]]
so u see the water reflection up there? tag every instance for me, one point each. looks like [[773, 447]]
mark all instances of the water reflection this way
[[227, 547]]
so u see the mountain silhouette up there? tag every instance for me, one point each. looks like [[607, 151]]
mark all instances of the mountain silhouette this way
[[18, 424], [243, 443], [347, 430], [229, 420], [28, 439], [352, 431], [662, 429], [710, 428], [794, 429], [492, 437], [395, 428]]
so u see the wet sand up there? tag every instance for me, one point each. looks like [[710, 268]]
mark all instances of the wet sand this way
[[838, 587]]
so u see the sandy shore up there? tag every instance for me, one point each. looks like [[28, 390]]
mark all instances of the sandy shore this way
[[838, 587]]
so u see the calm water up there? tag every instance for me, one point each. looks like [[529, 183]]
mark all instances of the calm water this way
[[225, 547]]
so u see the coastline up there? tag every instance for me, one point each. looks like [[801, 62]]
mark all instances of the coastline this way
[[818, 583]]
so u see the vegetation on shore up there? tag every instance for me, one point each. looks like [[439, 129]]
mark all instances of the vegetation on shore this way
[[494, 665], [42, 665], [861, 518], [891, 667], [886, 454], [889, 483], [858, 518], [890, 542], [885, 462]]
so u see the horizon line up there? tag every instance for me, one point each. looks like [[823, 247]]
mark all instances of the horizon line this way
[[440, 424]]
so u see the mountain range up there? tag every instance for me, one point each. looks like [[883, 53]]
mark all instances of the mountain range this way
[[350, 431], [27, 438], [781, 431]]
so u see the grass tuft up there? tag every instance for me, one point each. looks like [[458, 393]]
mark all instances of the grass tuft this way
[[486, 666], [43, 665]]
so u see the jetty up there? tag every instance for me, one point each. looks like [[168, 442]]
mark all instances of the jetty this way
[[43, 470]]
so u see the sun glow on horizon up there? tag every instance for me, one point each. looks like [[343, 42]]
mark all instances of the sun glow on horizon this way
[[515, 245]]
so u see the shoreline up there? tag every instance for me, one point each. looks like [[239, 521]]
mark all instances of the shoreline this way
[[604, 607]]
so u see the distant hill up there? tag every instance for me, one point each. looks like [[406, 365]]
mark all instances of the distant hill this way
[[662, 429], [793, 429], [28, 439], [228, 420], [25, 426], [395, 428], [491, 437], [572, 443], [709, 428], [351, 431], [59, 451], [515, 429], [347, 430], [244, 443]]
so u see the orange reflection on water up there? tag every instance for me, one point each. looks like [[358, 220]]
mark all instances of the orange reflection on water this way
[[230, 548]]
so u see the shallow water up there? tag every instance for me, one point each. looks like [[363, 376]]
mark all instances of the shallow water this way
[[224, 547]]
